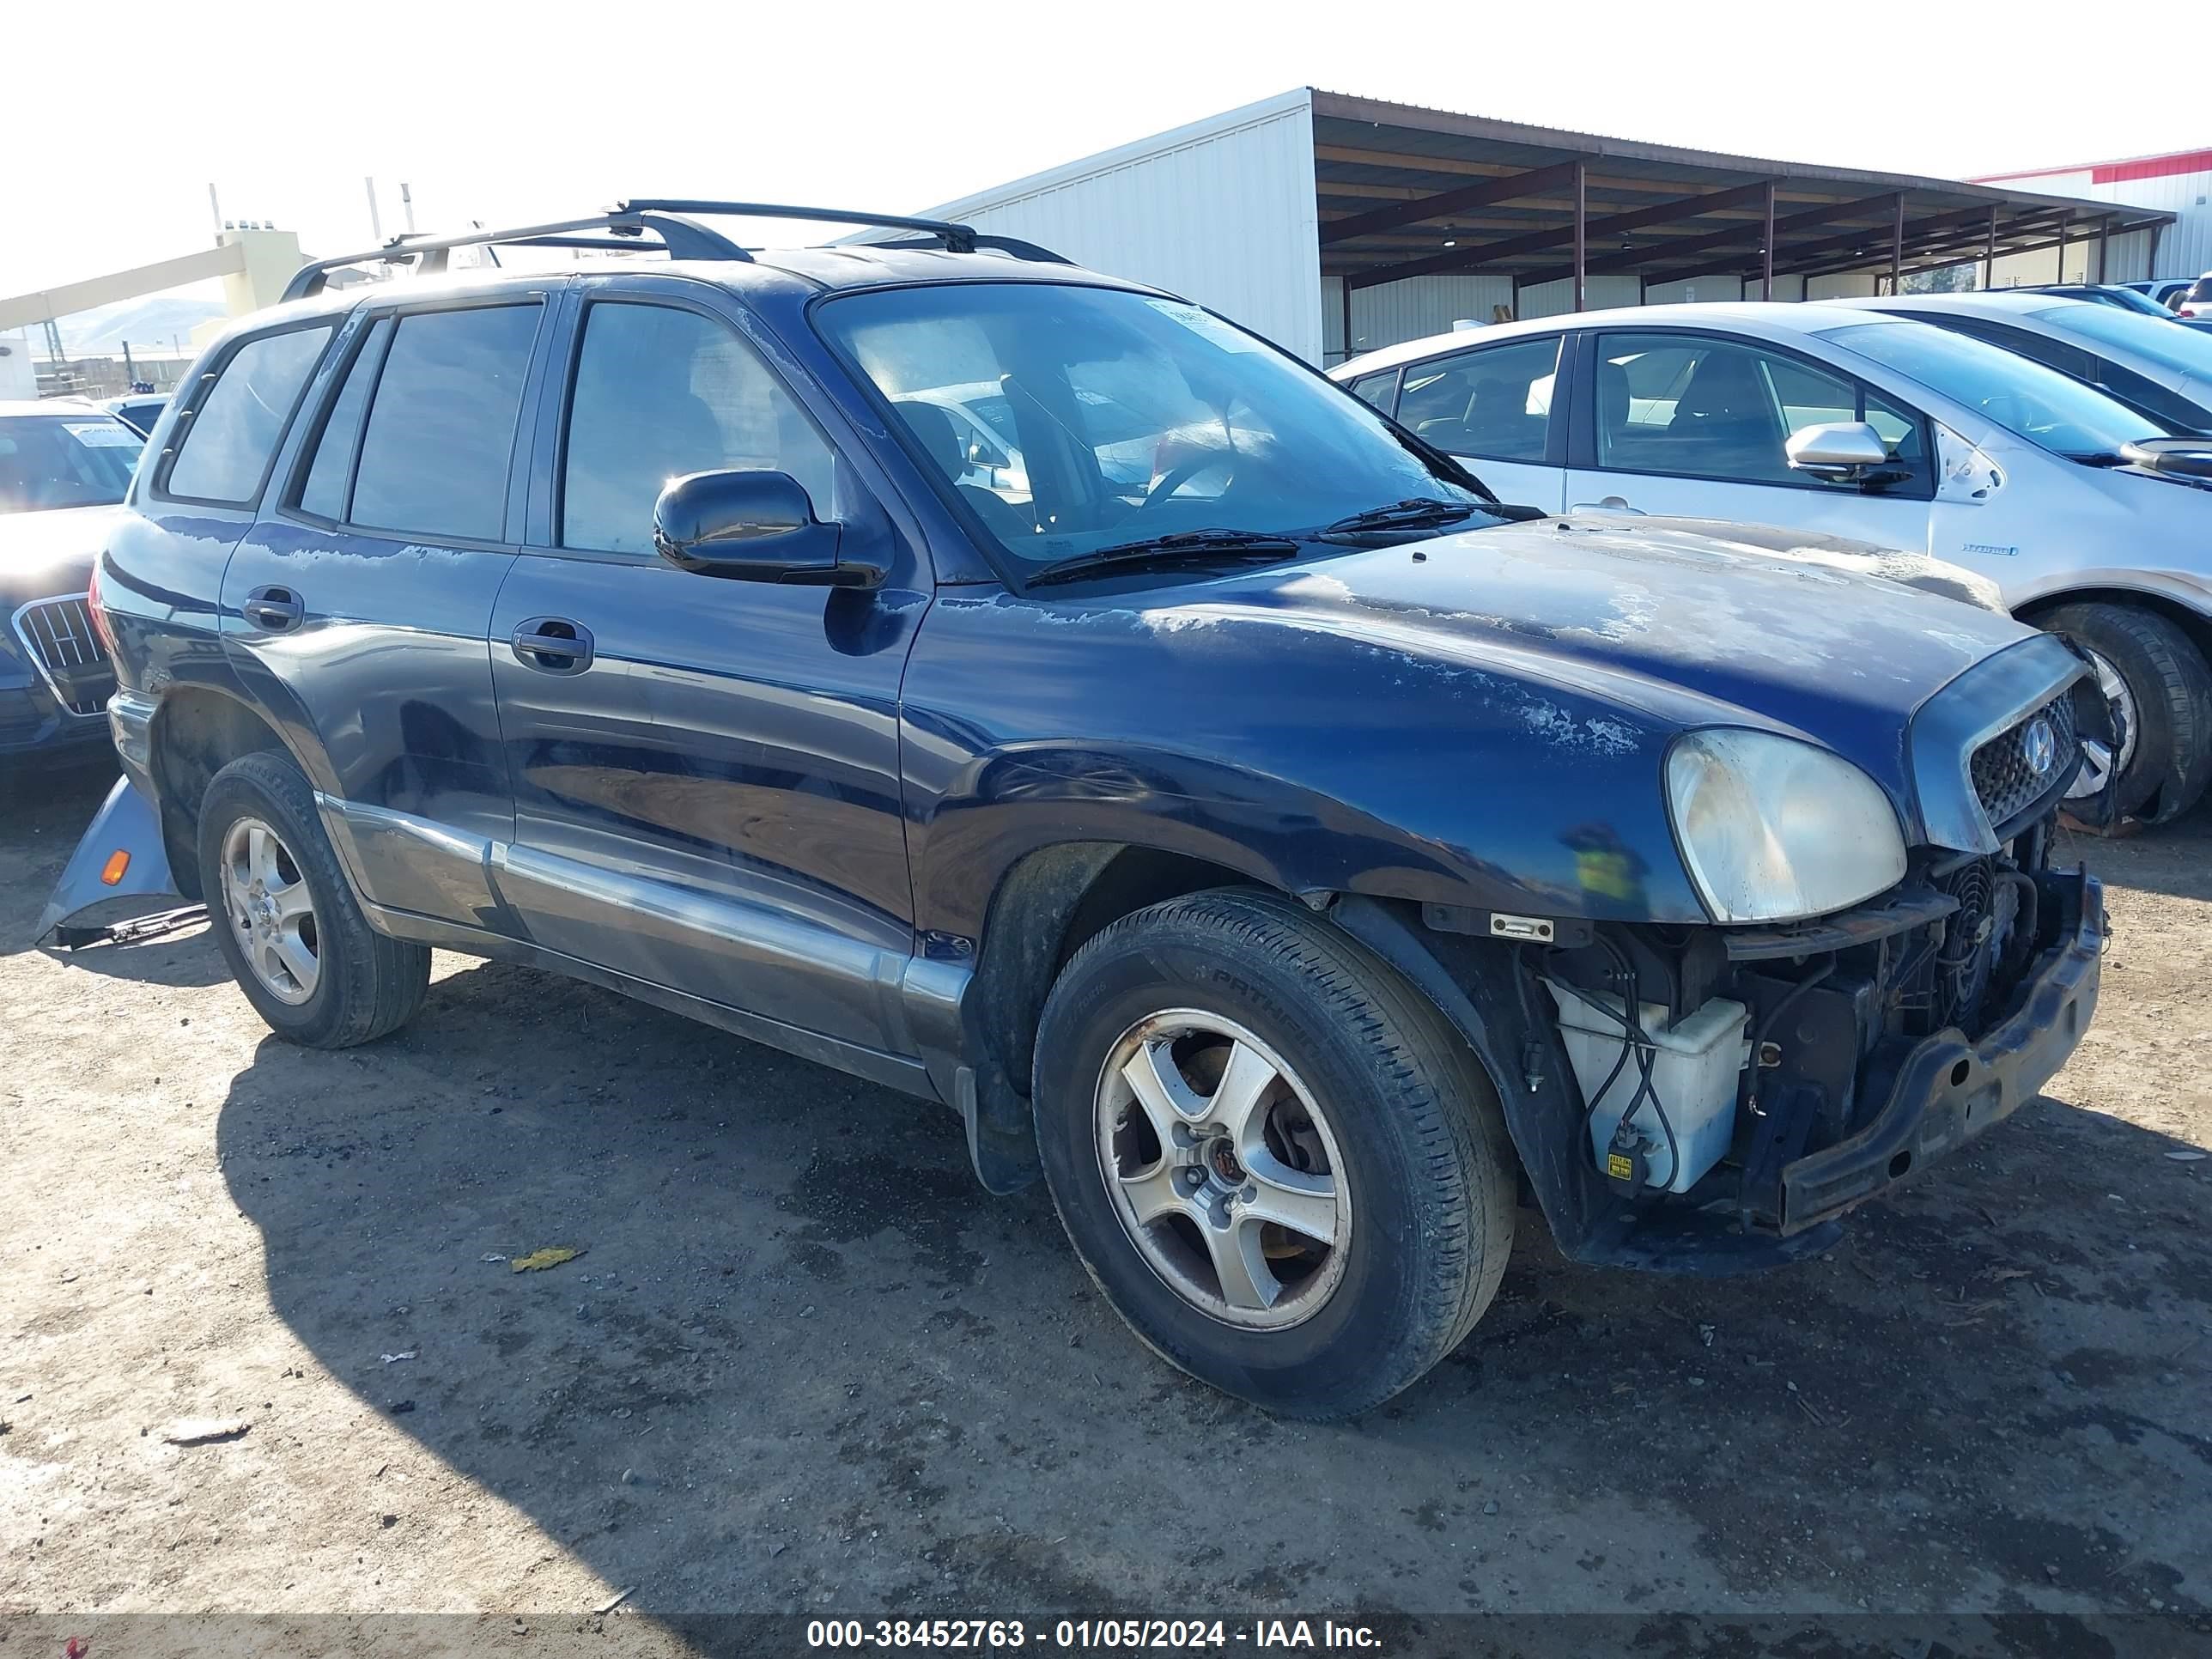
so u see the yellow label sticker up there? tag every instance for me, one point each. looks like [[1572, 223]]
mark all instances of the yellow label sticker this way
[[1620, 1166]]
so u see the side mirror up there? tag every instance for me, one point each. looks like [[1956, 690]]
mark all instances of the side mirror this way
[[753, 526], [1838, 451]]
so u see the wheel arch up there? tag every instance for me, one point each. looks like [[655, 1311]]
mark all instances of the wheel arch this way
[[2191, 621], [1043, 909], [1053, 900], [196, 731]]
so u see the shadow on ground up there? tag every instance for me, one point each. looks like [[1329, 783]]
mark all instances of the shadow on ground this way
[[806, 1362]]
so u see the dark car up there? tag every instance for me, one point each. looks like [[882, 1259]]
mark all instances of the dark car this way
[[1290, 852], [138, 410], [64, 469]]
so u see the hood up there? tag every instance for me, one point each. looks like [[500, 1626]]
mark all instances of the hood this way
[[1679, 629], [1950, 581], [43, 554]]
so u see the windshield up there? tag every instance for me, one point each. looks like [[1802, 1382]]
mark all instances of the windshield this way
[[2184, 351], [2040, 405], [60, 460], [1067, 419]]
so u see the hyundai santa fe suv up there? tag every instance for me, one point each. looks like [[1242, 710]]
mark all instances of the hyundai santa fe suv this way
[[1286, 849]]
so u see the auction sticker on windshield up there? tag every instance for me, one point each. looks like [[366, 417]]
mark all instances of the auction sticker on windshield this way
[[103, 434], [1205, 323]]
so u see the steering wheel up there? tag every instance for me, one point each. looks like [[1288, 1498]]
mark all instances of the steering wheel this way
[[1177, 477]]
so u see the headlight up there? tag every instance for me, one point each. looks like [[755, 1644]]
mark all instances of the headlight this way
[[1773, 829]]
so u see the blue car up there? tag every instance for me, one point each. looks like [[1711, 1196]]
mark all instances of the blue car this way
[[1235, 812], [64, 469]]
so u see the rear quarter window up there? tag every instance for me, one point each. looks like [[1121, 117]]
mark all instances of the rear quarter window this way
[[227, 444]]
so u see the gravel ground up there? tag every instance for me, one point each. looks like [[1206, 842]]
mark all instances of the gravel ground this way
[[804, 1365]]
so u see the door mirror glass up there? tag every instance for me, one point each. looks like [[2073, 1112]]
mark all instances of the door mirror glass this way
[[1837, 450], [751, 526]]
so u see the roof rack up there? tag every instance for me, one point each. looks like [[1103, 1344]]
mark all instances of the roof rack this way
[[627, 225]]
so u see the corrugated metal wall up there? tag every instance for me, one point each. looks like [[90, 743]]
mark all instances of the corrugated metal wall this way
[[1222, 211], [1418, 306], [2184, 250]]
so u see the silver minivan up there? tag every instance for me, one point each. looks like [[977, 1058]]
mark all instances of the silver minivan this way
[[2093, 519]]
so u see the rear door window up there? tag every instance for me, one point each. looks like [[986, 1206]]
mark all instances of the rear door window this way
[[441, 436], [231, 438], [1494, 403]]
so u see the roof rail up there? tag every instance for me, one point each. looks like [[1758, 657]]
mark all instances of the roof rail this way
[[678, 237], [955, 238], [626, 226]]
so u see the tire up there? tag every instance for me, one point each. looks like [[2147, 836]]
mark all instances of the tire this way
[[351, 984], [1408, 1129], [2169, 760]]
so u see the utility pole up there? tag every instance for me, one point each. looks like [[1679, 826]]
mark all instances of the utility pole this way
[[375, 222], [407, 203], [215, 207]]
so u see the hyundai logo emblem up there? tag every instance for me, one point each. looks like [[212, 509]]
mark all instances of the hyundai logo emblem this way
[[2038, 746]]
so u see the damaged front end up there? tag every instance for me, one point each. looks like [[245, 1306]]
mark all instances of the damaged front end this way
[[1712, 1097], [1860, 1048]]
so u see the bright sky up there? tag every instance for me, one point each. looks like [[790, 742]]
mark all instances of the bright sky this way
[[516, 113]]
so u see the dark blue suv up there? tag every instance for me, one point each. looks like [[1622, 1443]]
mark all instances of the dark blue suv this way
[[1029, 690]]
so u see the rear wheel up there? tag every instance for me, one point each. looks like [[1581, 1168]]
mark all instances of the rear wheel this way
[[1282, 1167], [2157, 684], [286, 920]]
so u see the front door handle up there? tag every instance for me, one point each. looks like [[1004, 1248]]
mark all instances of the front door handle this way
[[274, 610], [1610, 504], [553, 645]]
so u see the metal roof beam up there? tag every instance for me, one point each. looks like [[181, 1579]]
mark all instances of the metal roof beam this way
[[1534, 241], [1974, 238], [1487, 193], [1634, 259], [1863, 247]]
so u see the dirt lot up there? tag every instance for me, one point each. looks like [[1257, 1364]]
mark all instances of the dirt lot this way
[[805, 1364]]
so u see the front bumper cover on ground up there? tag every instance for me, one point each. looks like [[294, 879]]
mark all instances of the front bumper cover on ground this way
[[1950, 1089]]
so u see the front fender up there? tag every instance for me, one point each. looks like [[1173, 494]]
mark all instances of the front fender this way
[[1300, 757]]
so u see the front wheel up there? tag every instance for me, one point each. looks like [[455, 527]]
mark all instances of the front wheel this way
[[2158, 685], [1280, 1164], [285, 919]]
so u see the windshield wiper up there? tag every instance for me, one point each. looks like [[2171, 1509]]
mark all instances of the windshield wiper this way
[[1419, 512], [1164, 552]]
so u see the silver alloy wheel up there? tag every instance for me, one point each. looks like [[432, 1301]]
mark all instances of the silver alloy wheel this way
[[271, 911], [2097, 764], [1222, 1169]]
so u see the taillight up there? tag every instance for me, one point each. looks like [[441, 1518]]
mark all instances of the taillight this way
[[99, 617]]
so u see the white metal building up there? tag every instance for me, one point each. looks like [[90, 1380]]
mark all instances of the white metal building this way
[[1335, 224], [2177, 184]]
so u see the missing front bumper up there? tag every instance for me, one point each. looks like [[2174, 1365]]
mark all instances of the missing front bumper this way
[[1950, 1089]]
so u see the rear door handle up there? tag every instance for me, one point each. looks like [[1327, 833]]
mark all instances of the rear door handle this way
[[274, 610], [1610, 504], [553, 645]]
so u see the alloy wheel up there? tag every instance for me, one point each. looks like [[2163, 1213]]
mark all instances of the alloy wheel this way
[[1222, 1169], [271, 912], [2099, 764]]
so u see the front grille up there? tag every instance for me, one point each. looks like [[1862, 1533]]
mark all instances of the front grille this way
[[2006, 780], [57, 632]]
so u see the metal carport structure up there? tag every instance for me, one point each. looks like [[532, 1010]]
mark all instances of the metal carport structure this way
[[1336, 223], [1404, 193]]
